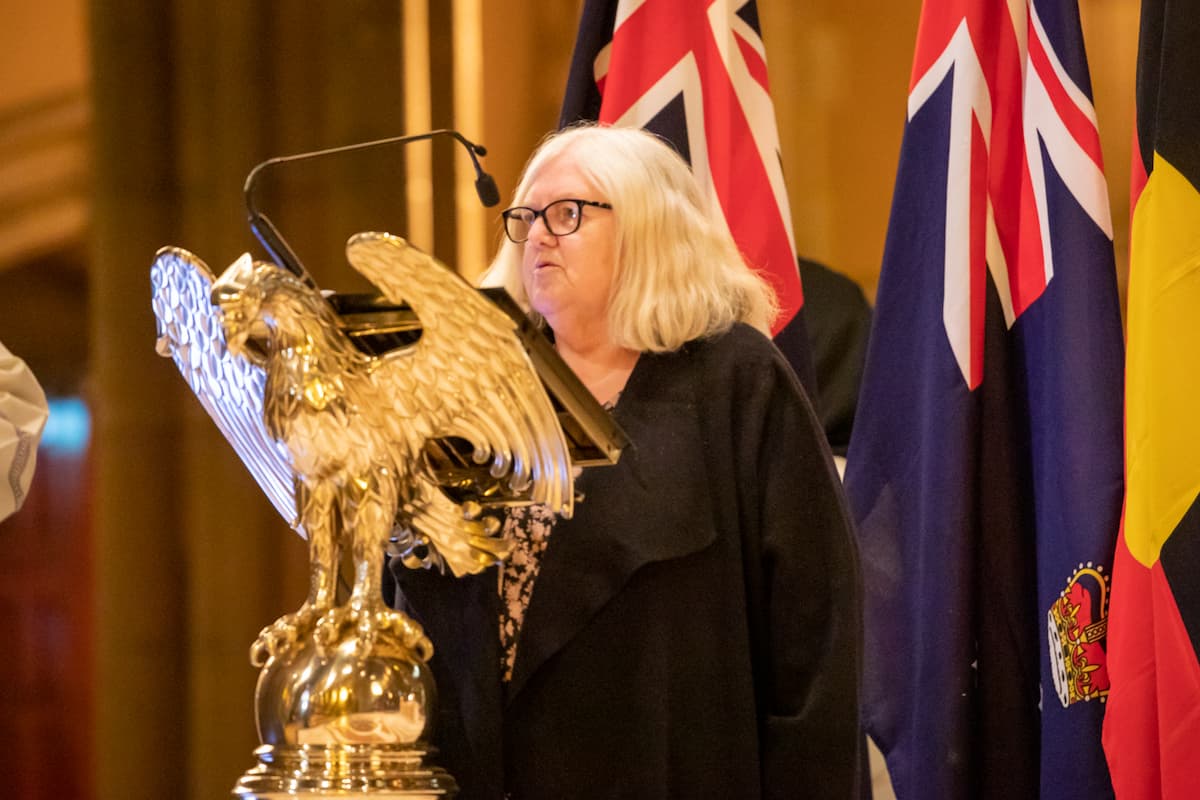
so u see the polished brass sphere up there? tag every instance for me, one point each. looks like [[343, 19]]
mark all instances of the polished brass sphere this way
[[305, 696]]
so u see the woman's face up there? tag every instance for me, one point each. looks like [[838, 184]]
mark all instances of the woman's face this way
[[568, 278]]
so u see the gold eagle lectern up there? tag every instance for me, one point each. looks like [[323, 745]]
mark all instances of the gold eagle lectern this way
[[366, 450]]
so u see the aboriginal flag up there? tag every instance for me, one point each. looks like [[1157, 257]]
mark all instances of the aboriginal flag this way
[[985, 468], [1152, 727], [695, 73]]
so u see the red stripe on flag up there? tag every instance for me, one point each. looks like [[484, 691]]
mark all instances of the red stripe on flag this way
[[647, 45], [1027, 272], [1155, 693], [738, 173], [1013, 206], [937, 26], [754, 62], [1081, 128], [1137, 173]]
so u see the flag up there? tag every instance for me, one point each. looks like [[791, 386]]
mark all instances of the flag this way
[[1152, 726], [695, 73], [984, 468]]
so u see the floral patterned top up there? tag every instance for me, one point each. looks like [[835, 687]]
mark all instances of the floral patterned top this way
[[529, 527]]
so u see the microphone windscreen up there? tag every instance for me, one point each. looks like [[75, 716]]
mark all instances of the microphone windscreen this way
[[485, 187]]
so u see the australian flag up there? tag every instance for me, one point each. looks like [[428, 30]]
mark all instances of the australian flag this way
[[695, 73], [985, 465]]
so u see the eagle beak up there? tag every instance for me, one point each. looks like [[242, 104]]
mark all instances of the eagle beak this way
[[231, 284], [225, 294]]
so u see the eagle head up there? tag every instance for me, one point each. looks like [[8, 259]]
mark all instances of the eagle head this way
[[242, 295]]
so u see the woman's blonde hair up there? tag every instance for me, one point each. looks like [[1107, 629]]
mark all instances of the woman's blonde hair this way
[[679, 275]]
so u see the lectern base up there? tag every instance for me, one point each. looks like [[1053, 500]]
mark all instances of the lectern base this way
[[315, 772]]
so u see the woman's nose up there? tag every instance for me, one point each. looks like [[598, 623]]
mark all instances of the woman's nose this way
[[540, 232]]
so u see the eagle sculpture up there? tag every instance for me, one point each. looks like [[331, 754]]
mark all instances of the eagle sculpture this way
[[337, 436]]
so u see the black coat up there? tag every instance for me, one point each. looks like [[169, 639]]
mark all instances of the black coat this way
[[694, 630]]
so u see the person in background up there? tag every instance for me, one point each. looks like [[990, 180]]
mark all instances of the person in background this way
[[23, 414], [838, 319], [694, 629]]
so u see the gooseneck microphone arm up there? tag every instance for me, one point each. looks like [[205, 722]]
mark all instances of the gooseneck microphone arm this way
[[277, 246]]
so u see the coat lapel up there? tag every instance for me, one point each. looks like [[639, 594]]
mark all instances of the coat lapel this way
[[642, 510]]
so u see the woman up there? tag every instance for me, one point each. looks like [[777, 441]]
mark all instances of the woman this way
[[693, 631]]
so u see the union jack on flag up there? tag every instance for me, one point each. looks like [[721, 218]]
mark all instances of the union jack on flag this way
[[695, 73], [996, 201], [985, 465]]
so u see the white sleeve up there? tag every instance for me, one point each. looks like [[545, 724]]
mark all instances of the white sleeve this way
[[23, 414]]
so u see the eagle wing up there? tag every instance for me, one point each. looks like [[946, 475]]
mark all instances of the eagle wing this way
[[471, 377], [229, 388]]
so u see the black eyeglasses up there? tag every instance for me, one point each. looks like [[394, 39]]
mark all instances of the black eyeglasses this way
[[562, 218]]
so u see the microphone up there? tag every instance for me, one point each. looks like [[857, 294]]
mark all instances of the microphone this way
[[485, 185], [266, 232]]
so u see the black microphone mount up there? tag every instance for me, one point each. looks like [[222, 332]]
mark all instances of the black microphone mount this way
[[266, 232]]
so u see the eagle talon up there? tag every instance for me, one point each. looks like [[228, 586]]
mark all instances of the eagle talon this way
[[347, 622], [283, 634]]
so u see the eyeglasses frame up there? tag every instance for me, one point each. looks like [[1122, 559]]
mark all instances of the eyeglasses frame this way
[[506, 215]]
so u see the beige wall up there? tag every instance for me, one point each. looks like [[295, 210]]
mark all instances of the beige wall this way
[[44, 52], [43, 127], [839, 79], [1110, 32]]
